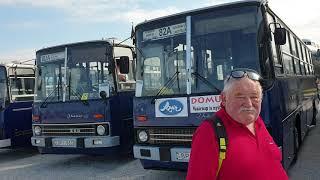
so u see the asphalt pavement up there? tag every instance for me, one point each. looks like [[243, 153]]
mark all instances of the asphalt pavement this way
[[307, 166], [28, 164]]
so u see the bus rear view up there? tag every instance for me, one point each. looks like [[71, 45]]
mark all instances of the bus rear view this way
[[16, 98], [83, 98]]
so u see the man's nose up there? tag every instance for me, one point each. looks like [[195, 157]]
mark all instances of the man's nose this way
[[248, 102]]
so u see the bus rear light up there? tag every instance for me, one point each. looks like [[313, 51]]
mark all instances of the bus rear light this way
[[142, 118], [35, 118], [98, 116]]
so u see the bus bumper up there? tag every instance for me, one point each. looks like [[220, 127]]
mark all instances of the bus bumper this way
[[173, 154], [76, 142], [5, 143]]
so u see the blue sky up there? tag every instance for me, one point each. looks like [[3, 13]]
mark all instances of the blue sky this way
[[29, 25]]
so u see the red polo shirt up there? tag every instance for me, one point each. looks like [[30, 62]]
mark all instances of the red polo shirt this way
[[248, 156]]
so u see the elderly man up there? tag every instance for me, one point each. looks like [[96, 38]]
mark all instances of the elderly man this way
[[251, 153]]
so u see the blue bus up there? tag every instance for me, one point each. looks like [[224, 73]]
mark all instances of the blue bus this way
[[16, 98], [182, 61], [83, 101]]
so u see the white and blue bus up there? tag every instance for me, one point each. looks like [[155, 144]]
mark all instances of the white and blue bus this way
[[83, 101], [16, 98], [182, 61]]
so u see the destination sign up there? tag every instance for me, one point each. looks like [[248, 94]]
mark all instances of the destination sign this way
[[52, 57], [164, 32]]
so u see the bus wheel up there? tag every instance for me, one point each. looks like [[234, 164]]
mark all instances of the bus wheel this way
[[296, 142]]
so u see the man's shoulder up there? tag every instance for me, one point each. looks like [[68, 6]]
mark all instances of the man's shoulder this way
[[205, 127]]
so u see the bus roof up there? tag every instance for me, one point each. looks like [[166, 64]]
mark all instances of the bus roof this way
[[13, 65], [85, 42], [207, 8]]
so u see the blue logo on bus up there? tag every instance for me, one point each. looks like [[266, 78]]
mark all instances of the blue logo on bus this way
[[171, 107]]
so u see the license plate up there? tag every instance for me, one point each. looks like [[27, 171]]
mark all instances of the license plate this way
[[64, 143], [182, 155]]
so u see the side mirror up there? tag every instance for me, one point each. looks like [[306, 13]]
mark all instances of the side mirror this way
[[280, 36], [103, 95], [104, 91], [123, 64]]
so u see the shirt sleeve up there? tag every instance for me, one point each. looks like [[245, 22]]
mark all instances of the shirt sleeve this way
[[203, 163]]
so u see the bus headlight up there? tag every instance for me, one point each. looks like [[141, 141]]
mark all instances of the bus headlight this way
[[143, 136], [101, 130], [37, 130]]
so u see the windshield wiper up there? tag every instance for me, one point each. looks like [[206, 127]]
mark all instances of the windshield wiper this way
[[77, 94], [208, 83], [85, 102], [45, 102], [166, 86]]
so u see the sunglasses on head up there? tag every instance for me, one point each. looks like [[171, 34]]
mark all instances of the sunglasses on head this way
[[240, 73]]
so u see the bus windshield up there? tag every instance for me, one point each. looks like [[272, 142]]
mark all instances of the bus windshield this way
[[85, 77], [87, 73], [21, 83], [49, 81], [220, 41]]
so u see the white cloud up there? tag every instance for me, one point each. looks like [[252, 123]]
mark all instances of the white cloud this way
[[18, 55], [23, 25], [215, 2], [302, 18], [140, 15], [83, 11]]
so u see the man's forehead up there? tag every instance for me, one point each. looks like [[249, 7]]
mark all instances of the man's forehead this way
[[241, 93], [245, 87]]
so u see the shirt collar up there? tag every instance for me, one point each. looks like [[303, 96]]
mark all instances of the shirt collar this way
[[222, 113]]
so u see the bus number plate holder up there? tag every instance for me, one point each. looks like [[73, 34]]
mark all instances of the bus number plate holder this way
[[61, 142], [182, 155]]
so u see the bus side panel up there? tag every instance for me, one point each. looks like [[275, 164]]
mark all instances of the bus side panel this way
[[272, 109], [303, 123], [309, 94], [288, 144], [283, 109], [290, 87], [17, 123], [2, 130], [121, 118]]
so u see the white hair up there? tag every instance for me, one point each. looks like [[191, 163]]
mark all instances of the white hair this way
[[229, 82]]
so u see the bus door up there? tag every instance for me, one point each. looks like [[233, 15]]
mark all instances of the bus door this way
[[18, 114], [4, 142]]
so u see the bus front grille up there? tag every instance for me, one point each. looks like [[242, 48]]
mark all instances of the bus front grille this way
[[70, 129], [176, 136]]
